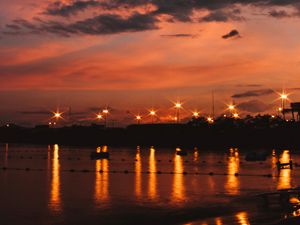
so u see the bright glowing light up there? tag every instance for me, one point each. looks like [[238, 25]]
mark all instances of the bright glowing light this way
[[138, 117], [283, 96], [279, 109], [210, 119], [105, 111], [196, 114], [231, 107], [57, 115], [236, 115], [178, 105], [99, 116], [152, 113]]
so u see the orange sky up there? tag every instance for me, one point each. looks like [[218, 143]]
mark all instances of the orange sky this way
[[145, 54]]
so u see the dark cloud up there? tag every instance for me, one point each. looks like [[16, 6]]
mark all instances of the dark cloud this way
[[61, 9], [254, 106], [231, 34], [179, 35], [222, 16], [101, 24], [254, 93], [279, 14], [109, 19]]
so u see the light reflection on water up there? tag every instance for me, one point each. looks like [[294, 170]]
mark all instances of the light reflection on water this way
[[178, 192], [144, 184], [242, 218], [284, 180], [101, 181], [138, 174], [232, 184], [55, 200], [152, 189]]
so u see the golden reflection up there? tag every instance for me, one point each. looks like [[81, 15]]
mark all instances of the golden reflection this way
[[284, 174], [55, 200], [101, 180], [219, 221], [242, 218], [152, 175], [196, 154], [138, 174], [274, 164], [178, 192], [232, 183]]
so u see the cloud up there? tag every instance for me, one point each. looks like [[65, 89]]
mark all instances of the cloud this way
[[254, 106], [61, 9], [115, 16], [254, 93], [222, 16], [231, 34], [101, 24], [182, 35], [279, 14]]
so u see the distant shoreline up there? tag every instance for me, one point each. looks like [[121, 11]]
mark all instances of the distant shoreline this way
[[159, 135]]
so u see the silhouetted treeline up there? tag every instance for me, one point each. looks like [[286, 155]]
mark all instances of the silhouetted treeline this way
[[259, 131]]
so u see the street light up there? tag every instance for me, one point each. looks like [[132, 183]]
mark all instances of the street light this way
[[178, 106], [283, 97], [210, 119], [236, 115], [105, 112], [231, 107], [152, 113], [196, 114], [138, 118]]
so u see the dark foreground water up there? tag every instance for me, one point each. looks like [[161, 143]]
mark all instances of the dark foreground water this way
[[62, 185]]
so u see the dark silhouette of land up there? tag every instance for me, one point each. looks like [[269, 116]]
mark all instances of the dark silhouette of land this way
[[259, 131]]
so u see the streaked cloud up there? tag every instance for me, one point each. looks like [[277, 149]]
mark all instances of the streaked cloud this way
[[253, 93]]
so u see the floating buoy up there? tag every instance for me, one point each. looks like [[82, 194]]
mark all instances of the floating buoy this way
[[158, 172], [236, 174], [101, 171], [72, 170], [27, 169], [184, 173], [125, 171], [211, 174]]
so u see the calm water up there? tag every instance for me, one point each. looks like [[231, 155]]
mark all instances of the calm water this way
[[62, 185]]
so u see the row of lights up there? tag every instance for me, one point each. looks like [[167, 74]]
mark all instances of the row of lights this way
[[178, 106]]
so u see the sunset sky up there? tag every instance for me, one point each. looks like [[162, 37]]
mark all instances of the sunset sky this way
[[132, 55]]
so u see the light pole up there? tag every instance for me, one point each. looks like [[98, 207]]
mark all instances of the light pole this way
[[57, 115], [231, 109], [152, 114], [196, 114], [105, 112], [138, 119], [283, 97], [178, 106]]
